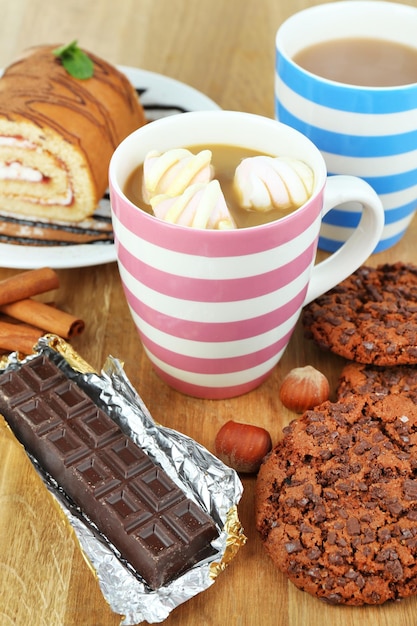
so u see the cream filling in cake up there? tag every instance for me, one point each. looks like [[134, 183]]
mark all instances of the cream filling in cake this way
[[17, 171], [32, 173]]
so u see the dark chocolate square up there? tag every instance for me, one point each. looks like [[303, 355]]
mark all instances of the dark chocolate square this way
[[95, 427], [41, 374], [156, 488], [97, 476], [14, 389], [68, 399], [39, 414], [67, 445], [125, 458]]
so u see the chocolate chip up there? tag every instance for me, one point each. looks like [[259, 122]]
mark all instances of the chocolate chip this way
[[293, 546], [319, 514], [395, 507], [330, 494], [306, 528], [386, 554], [395, 569], [361, 447], [336, 559], [368, 345], [410, 489], [334, 598], [384, 534], [313, 554], [360, 581], [352, 526], [368, 536], [331, 537]]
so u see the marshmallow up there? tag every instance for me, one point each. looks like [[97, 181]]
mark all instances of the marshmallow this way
[[171, 172], [262, 183], [201, 205]]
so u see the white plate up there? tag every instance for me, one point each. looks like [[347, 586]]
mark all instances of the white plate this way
[[160, 96]]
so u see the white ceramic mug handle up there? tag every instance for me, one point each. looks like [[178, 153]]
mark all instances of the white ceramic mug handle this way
[[362, 242]]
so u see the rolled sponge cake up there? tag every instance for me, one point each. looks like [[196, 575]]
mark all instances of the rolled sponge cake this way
[[57, 134]]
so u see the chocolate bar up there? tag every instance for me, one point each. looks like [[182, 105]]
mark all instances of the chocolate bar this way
[[154, 525]]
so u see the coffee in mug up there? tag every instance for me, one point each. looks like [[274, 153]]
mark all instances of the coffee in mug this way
[[364, 61]]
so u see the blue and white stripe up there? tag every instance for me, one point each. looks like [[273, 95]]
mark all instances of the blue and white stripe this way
[[366, 132]]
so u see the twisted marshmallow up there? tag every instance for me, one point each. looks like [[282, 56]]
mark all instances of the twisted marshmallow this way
[[171, 172], [262, 183], [201, 205]]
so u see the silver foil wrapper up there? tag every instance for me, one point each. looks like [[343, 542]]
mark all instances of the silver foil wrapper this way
[[203, 477]]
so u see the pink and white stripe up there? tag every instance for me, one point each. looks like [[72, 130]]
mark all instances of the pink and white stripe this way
[[214, 318], [215, 309]]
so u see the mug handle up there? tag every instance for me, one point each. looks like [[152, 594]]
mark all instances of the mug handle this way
[[362, 242]]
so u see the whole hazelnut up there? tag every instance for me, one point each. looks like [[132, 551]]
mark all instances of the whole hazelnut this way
[[303, 388], [242, 446]]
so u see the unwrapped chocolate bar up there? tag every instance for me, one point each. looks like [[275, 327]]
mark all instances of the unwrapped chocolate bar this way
[[158, 529], [213, 489]]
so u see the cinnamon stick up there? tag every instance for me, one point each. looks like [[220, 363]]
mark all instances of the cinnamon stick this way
[[27, 284], [44, 316], [18, 337]]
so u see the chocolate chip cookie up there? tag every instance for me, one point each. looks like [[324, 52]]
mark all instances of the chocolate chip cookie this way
[[336, 501], [371, 317], [357, 378]]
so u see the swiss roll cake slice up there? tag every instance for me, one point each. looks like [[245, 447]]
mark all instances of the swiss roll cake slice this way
[[58, 132]]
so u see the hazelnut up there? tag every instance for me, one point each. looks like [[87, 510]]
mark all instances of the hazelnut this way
[[304, 388], [242, 446]]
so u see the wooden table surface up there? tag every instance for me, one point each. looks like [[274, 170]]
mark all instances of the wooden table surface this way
[[226, 50]]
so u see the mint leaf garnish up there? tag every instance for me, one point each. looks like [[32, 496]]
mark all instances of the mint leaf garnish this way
[[76, 62]]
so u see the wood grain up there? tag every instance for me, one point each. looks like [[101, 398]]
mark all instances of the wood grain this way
[[226, 50], [36, 538]]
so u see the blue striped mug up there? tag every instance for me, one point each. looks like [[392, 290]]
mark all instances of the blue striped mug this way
[[365, 131]]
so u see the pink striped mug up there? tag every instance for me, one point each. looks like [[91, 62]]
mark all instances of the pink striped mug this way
[[214, 309]]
